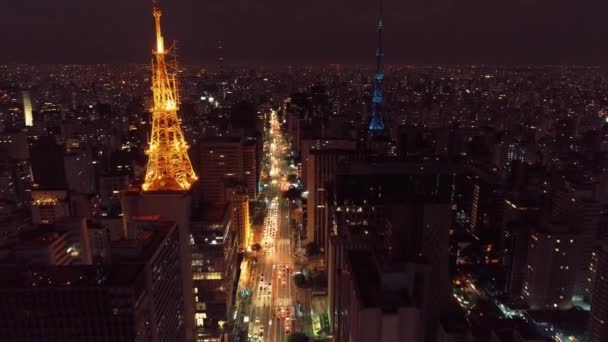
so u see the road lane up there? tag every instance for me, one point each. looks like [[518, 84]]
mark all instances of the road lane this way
[[272, 305]]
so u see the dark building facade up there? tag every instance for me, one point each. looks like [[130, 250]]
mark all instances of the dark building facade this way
[[598, 323], [136, 298]]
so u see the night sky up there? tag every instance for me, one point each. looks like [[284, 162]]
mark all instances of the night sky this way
[[313, 31]]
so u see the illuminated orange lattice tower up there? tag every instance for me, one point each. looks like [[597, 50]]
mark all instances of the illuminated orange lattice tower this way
[[169, 166]]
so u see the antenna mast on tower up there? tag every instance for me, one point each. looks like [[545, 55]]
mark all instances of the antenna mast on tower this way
[[169, 166], [376, 124]]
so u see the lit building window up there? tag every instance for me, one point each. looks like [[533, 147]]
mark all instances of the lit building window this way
[[207, 275], [200, 318]]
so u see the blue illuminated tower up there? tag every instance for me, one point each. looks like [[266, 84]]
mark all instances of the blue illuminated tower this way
[[376, 124]]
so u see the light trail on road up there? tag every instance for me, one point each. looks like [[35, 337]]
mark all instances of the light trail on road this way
[[271, 314]]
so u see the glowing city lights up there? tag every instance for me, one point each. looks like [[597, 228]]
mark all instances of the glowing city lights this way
[[169, 166]]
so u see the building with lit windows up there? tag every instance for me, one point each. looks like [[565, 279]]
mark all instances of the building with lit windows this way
[[79, 171], [295, 122], [214, 245], [402, 211], [28, 116], [15, 180], [310, 144], [598, 323], [239, 200], [225, 160], [49, 205], [15, 170], [136, 297], [322, 166], [516, 252], [576, 203], [15, 145], [174, 206], [106, 303], [251, 166], [156, 245], [550, 271], [486, 202]]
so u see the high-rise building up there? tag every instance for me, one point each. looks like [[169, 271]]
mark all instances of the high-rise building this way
[[15, 145], [295, 122], [516, 249], [49, 205], [136, 297], [251, 166], [223, 161], [172, 206], [487, 202], [169, 173], [15, 181], [308, 145], [237, 196], [550, 273], [377, 301], [15, 171], [214, 269], [48, 167], [105, 303], [157, 245], [79, 171], [27, 109], [598, 322], [8, 191], [576, 204], [401, 210], [110, 187], [322, 167], [521, 214]]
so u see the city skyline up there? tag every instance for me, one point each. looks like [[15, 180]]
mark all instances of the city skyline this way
[[165, 201], [436, 32]]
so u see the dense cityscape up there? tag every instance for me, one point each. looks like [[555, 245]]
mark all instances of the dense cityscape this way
[[292, 203]]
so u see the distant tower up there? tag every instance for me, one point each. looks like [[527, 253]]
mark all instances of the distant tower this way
[[27, 109], [169, 173], [376, 124], [169, 166], [220, 54], [220, 69]]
